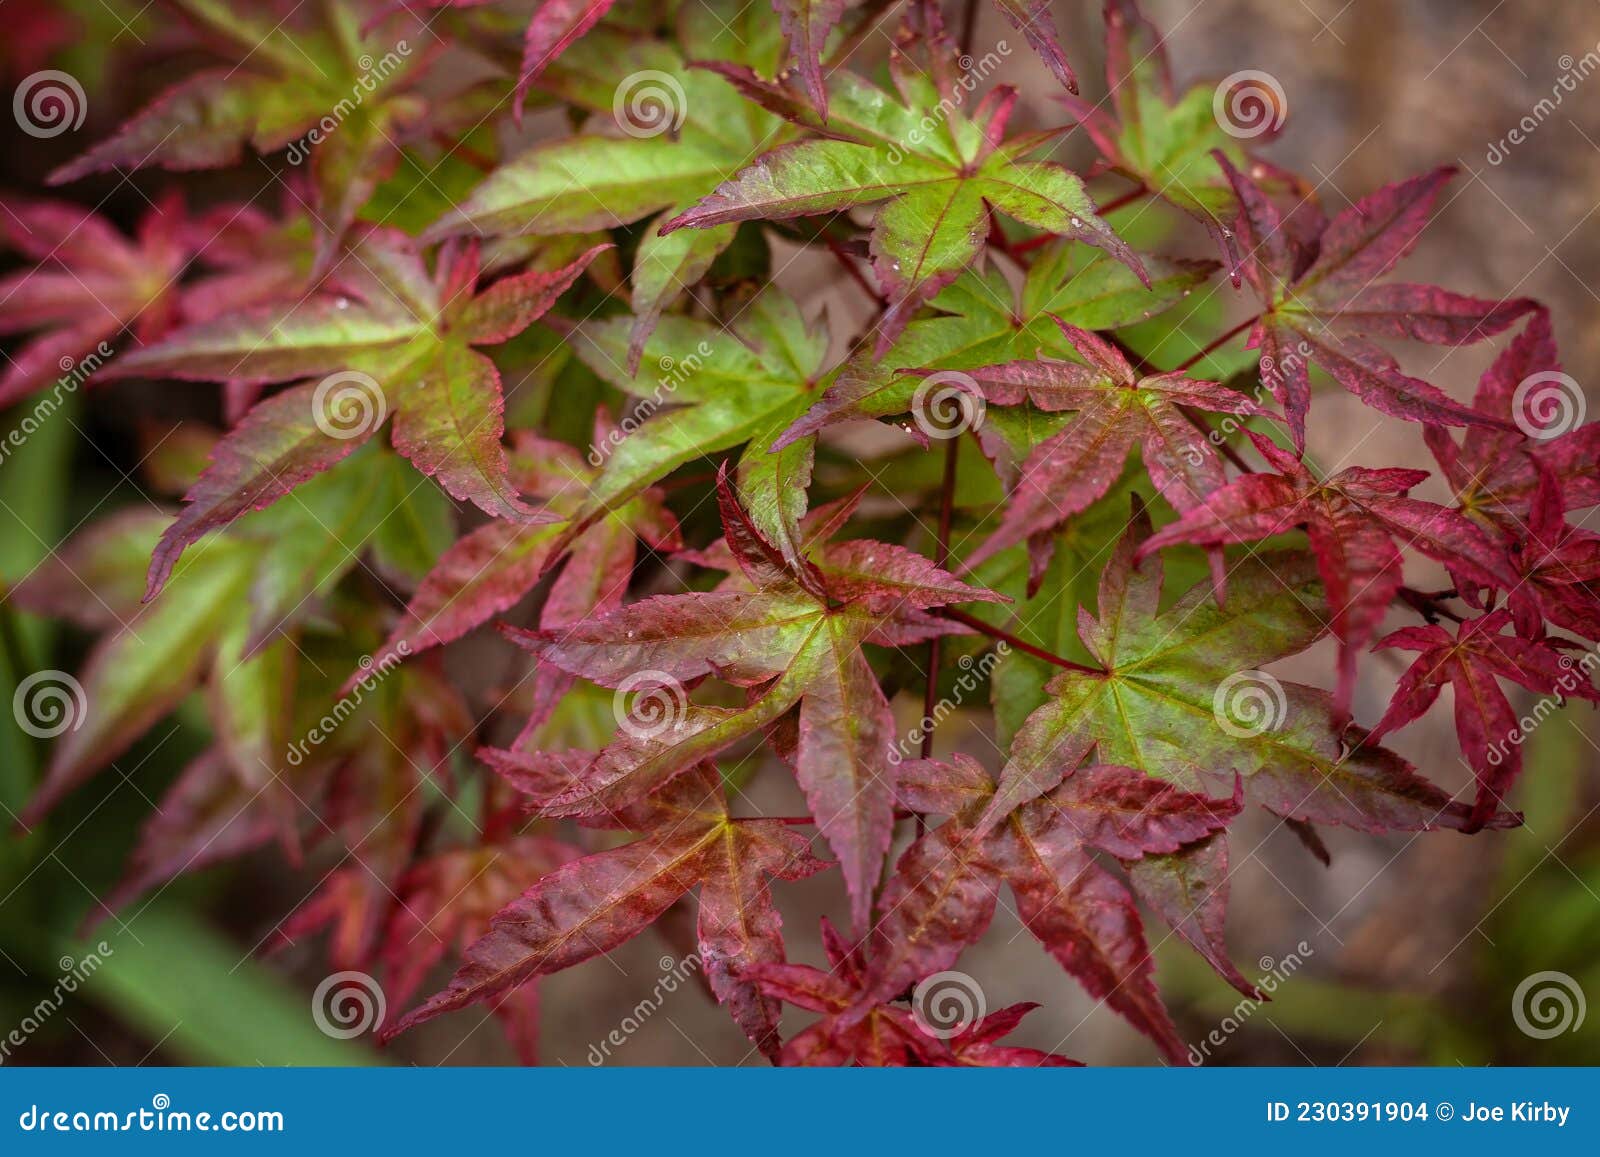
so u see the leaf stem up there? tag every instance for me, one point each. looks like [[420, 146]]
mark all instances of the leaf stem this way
[[803, 821], [1429, 606], [871, 15], [1217, 343], [969, 28], [1011, 640]]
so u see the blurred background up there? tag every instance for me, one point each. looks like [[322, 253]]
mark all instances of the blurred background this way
[[1407, 949]]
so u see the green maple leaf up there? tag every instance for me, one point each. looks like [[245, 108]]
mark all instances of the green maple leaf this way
[[410, 345], [659, 141], [704, 388], [1168, 141], [1181, 696], [981, 321], [933, 168], [224, 620], [794, 635]]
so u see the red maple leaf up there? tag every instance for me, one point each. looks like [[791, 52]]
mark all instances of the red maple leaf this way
[[1473, 662], [1320, 305], [1353, 520]]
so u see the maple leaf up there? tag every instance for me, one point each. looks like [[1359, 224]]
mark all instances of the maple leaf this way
[[936, 185], [708, 387], [883, 1033], [1559, 570], [1473, 662], [90, 284], [1181, 696], [683, 131], [791, 634], [1496, 472], [225, 620], [943, 894], [982, 321], [1116, 411], [318, 86], [410, 345], [1164, 141], [590, 905], [446, 902], [1324, 312], [1352, 521]]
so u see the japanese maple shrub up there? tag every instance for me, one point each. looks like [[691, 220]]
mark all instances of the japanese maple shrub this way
[[1085, 475]]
